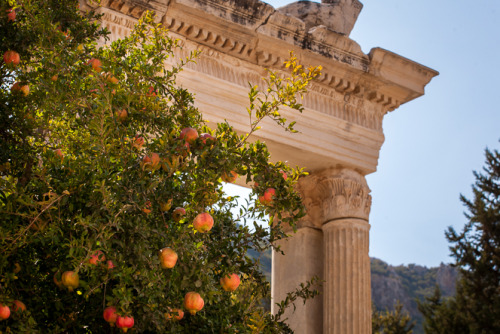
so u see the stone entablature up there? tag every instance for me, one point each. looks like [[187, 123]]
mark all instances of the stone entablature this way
[[240, 38]]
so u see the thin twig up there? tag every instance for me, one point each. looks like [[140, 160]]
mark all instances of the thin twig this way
[[65, 193]]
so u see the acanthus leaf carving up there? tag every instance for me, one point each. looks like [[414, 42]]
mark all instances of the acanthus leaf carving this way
[[334, 194]]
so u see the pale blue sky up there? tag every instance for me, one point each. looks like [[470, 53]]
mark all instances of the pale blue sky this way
[[435, 142]]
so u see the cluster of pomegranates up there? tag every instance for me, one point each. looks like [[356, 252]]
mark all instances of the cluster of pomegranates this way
[[188, 136], [12, 59], [122, 322], [193, 303], [202, 223]]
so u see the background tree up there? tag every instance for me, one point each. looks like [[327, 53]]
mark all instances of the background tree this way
[[441, 314], [392, 322], [476, 249], [111, 185]]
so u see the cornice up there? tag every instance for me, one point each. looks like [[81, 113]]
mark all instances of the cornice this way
[[404, 74], [231, 43], [349, 106], [254, 31]]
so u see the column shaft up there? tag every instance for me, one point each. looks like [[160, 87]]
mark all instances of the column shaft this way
[[347, 291], [303, 259]]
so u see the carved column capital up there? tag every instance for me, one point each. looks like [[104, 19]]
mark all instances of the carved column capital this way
[[334, 194]]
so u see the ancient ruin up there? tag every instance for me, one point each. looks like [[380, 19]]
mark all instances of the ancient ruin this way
[[340, 130]]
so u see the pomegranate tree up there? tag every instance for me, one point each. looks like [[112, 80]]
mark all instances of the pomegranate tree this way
[[110, 197]]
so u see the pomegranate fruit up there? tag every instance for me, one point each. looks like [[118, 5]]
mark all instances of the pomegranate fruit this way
[[124, 323], [203, 222], [193, 302]]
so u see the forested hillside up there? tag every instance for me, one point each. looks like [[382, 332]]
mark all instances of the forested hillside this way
[[407, 284]]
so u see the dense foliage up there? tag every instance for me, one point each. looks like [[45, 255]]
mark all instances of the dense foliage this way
[[101, 170], [476, 250], [392, 322]]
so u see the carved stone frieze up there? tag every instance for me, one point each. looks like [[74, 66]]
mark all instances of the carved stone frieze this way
[[349, 107], [120, 25], [218, 64], [209, 37], [334, 194], [387, 101]]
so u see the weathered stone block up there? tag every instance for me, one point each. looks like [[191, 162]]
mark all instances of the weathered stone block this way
[[248, 13], [337, 15]]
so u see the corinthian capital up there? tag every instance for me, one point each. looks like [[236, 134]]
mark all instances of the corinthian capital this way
[[333, 194]]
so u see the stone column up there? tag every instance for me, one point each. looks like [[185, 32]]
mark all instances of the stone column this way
[[303, 259], [338, 200], [347, 297]]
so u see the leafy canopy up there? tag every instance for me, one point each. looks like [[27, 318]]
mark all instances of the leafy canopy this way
[[93, 165]]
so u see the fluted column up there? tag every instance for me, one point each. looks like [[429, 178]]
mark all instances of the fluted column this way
[[347, 300], [339, 201]]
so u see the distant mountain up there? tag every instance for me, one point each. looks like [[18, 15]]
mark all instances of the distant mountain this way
[[393, 283], [407, 284]]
